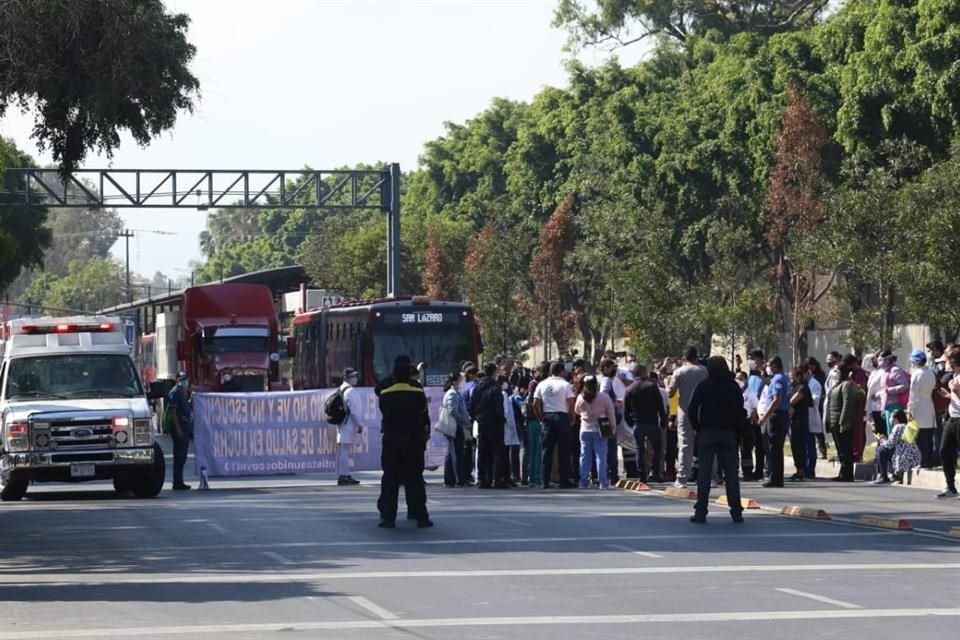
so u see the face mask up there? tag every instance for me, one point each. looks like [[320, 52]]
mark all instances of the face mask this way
[[741, 384], [461, 385], [752, 365], [353, 380], [568, 367], [769, 371], [884, 364], [184, 384], [504, 386]]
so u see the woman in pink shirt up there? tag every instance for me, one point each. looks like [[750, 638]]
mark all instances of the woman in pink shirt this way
[[593, 407]]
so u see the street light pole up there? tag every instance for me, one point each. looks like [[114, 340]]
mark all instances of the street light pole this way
[[127, 234]]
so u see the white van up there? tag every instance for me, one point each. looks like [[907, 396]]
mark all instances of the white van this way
[[73, 408]]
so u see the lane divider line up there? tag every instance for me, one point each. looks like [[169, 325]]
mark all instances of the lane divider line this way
[[885, 523], [273, 555], [645, 554], [823, 599], [373, 608]]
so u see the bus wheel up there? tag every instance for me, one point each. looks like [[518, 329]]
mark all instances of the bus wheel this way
[[12, 489], [149, 483]]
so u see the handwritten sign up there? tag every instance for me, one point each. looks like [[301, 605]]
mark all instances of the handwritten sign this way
[[242, 434]]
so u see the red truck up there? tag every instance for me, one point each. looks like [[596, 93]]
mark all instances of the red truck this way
[[224, 336]]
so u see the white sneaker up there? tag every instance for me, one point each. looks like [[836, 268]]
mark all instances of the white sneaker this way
[[680, 484], [947, 493]]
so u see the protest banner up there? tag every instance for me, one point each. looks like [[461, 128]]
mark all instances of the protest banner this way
[[286, 432]]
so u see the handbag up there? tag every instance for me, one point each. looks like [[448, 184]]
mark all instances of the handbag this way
[[446, 423], [606, 429], [911, 432], [625, 437]]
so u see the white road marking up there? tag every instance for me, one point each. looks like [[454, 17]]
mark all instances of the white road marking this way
[[501, 541], [279, 558], [375, 609], [645, 554], [62, 579], [519, 523], [217, 528], [823, 599], [196, 631]]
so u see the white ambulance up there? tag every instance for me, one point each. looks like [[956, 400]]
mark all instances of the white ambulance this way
[[73, 408]]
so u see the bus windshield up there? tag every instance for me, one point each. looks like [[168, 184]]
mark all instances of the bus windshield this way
[[442, 349], [72, 376]]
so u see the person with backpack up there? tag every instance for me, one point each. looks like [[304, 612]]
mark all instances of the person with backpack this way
[[343, 410]]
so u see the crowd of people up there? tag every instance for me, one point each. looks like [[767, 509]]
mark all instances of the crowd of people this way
[[570, 424]]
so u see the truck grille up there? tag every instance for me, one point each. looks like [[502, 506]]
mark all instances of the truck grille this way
[[81, 434]]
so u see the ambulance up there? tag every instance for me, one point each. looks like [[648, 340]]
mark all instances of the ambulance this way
[[73, 408]]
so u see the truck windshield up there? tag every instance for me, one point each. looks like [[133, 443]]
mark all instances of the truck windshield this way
[[72, 376], [442, 349], [236, 340]]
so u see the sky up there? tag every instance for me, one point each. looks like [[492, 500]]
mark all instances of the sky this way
[[328, 83]]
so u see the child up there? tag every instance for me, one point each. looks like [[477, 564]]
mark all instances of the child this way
[[893, 453]]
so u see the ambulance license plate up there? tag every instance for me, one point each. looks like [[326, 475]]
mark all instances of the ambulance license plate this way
[[83, 470]]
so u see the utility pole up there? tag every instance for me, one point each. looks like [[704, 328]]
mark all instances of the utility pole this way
[[127, 234]]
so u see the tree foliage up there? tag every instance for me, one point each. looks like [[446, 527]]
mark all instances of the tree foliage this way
[[623, 22], [23, 236], [91, 69]]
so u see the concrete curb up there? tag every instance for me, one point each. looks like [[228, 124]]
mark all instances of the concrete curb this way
[[805, 512], [954, 532], [884, 523], [918, 478], [746, 503]]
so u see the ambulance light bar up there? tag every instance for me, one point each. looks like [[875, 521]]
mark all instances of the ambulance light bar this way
[[36, 329]]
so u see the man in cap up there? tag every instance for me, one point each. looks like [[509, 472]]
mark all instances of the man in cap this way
[[405, 429], [182, 414], [350, 428]]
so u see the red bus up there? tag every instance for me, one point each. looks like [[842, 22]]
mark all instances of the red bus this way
[[367, 336]]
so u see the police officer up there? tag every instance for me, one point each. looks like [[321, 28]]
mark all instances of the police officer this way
[[405, 430], [182, 428]]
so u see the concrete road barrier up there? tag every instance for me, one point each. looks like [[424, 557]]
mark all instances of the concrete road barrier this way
[[746, 503], [885, 523], [682, 494], [805, 512]]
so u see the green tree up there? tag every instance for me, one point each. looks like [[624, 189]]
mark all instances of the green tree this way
[[90, 285], [623, 22], [496, 292], [23, 236], [92, 69]]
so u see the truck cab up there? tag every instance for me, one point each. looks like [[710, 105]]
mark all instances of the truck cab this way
[[72, 408]]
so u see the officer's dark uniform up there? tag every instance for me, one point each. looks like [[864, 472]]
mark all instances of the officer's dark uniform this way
[[405, 430], [179, 403]]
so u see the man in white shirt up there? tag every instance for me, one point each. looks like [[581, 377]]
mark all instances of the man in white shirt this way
[[684, 381], [349, 429], [553, 401]]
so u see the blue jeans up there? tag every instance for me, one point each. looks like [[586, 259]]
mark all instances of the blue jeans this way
[[453, 463], [810, 442], [593, 446], [885, 461]]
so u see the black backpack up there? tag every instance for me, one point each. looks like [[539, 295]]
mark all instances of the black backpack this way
[[335, 409]]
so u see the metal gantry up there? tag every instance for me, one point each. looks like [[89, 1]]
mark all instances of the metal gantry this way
[[204, 189]]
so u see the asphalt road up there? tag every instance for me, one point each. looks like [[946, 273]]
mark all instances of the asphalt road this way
[[262, 561]]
